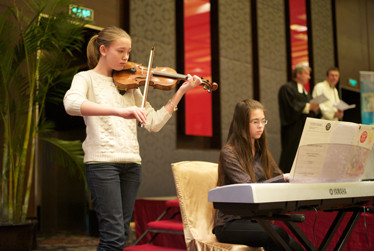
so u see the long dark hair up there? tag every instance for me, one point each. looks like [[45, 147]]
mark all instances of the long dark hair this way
[[239, 139]]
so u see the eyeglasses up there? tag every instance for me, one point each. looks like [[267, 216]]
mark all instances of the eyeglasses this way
[[259, 122]]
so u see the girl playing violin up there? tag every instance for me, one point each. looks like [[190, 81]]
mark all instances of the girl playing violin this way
[[111, 149]]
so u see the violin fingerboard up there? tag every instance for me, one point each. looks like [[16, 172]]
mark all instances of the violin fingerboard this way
[[169, 75]]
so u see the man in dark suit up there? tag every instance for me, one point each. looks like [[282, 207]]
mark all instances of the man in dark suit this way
[[294, 108]]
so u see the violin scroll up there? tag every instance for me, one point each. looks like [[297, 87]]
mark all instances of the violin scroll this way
[[210, 87]]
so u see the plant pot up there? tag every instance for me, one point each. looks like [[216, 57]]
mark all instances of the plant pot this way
[[17, 236]]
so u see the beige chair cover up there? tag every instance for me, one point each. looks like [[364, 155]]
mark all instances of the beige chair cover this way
[[193, 180]]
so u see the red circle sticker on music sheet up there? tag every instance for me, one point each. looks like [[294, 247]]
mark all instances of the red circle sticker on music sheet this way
[[363, 137]]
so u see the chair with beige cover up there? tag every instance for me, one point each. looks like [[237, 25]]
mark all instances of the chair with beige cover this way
[[193, 180]]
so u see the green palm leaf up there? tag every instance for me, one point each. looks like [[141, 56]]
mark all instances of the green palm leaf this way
[[37, 51]]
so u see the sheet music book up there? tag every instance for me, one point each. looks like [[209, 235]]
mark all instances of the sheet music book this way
[[332, 151], [319, 99], [342, 106]]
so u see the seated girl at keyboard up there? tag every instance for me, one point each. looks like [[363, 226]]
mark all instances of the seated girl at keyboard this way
[[245, 158]]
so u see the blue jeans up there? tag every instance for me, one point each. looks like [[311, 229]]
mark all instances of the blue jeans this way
[[113, 189]]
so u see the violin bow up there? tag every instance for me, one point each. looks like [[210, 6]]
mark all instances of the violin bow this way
[[146, 85]]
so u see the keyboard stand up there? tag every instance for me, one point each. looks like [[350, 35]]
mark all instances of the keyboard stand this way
[[290, 221]]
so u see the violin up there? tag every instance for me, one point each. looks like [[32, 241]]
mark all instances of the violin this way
[[134, 75]]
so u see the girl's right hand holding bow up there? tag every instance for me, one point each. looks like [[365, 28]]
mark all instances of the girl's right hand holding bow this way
[[89, 108], [133, 112]]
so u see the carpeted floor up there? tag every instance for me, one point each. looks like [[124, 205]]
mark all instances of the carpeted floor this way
[[66, 241], [72, 241]]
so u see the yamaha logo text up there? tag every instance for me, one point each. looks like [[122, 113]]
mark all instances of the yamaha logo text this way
[[337, 191]]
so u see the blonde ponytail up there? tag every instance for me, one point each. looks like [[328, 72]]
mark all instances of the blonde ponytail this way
[[93, 54], [105, 37]]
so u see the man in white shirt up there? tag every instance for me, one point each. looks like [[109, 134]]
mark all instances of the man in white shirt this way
[[327, 87]]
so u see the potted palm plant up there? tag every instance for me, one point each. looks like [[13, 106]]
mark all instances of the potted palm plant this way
[[37, 43]]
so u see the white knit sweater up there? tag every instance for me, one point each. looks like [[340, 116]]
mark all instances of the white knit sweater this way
[[109, 138]]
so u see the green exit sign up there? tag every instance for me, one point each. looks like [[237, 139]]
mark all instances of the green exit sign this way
[[80, 11], [352, 82]]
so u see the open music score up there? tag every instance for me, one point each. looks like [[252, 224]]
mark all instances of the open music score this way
[[332, 151]]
